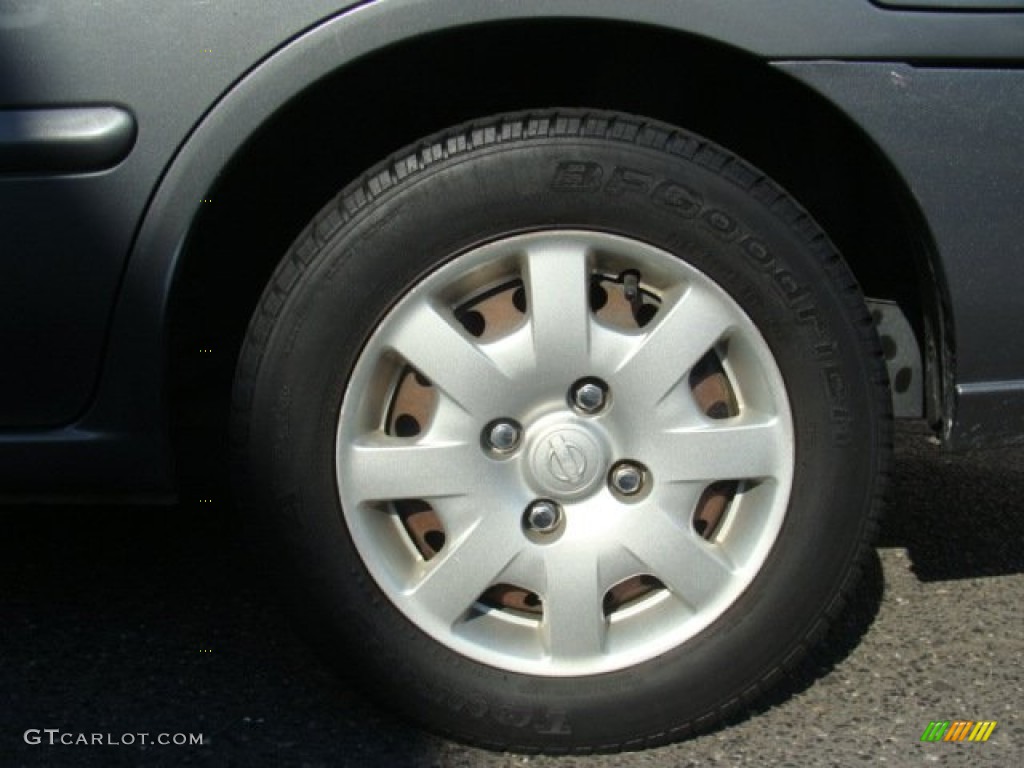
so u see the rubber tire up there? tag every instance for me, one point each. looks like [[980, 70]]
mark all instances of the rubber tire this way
[[530, 171]]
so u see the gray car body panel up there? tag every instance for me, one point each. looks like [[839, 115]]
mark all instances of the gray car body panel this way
[[953, 5], [965, 165], [89, 259]]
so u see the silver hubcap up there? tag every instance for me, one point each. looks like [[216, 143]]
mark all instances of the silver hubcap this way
[[669, 480]]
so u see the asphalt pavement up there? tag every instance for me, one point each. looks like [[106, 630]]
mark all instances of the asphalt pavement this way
[[123, 621]]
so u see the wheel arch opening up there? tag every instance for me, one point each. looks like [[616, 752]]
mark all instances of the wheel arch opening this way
[[336, 128]]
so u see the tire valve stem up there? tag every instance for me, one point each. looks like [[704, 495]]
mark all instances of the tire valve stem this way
[[631, 289]]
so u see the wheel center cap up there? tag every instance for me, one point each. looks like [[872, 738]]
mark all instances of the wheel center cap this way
[[566, 461]]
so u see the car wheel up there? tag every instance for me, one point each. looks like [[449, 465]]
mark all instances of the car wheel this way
[[567, 431]]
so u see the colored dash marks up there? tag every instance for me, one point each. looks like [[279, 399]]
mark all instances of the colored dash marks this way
[[958, 730]]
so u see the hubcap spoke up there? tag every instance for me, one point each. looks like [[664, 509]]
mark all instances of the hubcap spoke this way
[[452, 361], [684, 563], [733, 452], [574, 623], [683, 331], [466, 569], [557, 285], [386, 469]]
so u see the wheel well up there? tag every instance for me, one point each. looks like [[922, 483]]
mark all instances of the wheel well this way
[[338, 127]]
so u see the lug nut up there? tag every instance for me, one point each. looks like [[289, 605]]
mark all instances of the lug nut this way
[[543, 516], [503, 436], [589, 396], [627, 478]]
